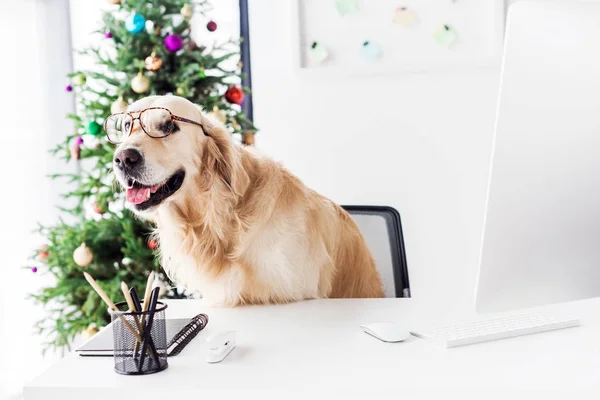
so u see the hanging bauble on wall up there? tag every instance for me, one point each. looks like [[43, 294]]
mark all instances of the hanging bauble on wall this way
[[94, 128], [118, 106], [153, 62], [370, 51], [83, 256], [234, 95], [404, 17], [346, 7], [135, 23], [445, 36], [140, 83], [187, 11], [173, 43], [317, 53], [211, 26]]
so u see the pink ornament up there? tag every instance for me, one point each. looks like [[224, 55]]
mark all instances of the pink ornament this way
[[173, 43], [69, 88], [34, 269], [211, 26], [76, 149], [108, 35]]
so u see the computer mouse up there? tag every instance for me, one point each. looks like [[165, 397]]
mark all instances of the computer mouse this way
[[387, 331], [220, 344]]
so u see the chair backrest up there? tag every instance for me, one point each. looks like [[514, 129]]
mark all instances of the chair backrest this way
[[382, 229]]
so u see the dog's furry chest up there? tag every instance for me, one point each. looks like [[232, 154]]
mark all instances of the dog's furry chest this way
[[272, 268]]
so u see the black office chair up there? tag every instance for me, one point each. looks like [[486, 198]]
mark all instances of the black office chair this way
[[382, 229]]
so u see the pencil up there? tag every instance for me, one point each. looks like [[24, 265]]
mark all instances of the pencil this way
[[132, 309], [147, 294], [148, 291], [128, 298], [109, 303]]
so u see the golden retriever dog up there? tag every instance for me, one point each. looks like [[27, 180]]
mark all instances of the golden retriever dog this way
[[233, 224]]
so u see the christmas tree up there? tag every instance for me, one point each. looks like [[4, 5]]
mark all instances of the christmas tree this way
[[147, 50]]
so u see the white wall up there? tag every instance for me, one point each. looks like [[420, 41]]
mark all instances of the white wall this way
[[418, 142], [33, 105]]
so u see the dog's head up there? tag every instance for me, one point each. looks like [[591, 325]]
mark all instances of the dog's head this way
[[197, 154]]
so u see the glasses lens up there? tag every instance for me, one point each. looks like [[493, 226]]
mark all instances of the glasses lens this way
[[157, 122], [117, 127]]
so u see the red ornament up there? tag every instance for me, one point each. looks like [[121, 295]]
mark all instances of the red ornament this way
[[43, 254], [234, 95], [211, 26], [152, 244]]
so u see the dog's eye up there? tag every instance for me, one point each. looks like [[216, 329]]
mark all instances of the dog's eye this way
[[169, 127], [126, 126]]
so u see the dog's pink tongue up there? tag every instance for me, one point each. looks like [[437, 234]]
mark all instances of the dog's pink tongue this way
[[138, 195]]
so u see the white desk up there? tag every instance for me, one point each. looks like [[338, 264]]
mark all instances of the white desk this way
[[315, 349]]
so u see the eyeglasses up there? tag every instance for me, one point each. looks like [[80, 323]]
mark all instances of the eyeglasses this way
[[156, 122]]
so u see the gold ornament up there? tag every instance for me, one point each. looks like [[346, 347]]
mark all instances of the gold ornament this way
[[114, 1], [153, 62], [78, 79], [140, 83], [179, 91], [83, 256], [187, 11], [88, 332], [118, 106], [248, 138], [219, 115]]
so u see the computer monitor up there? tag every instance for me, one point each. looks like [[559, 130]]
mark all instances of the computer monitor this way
[[541, 241]]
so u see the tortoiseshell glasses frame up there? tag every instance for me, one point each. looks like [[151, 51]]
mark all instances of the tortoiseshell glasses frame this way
[[116, 136]]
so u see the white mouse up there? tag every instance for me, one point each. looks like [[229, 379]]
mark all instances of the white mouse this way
[[387, 331], [220, 344]]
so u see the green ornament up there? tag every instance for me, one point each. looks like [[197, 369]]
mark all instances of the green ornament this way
[[201, 73], [94, 128]]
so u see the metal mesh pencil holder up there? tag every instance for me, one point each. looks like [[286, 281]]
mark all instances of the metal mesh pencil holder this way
[[139, 340]]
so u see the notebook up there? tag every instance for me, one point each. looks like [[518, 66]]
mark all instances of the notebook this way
[[101, 344]]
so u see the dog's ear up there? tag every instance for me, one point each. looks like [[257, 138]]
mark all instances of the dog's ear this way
[[223, 158]]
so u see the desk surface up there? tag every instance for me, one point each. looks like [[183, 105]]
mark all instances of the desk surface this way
[[315, 349]]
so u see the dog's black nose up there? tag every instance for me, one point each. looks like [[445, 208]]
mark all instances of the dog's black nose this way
[[128, 158]]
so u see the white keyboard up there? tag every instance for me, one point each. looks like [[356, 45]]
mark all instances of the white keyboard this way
[[494, 329]]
